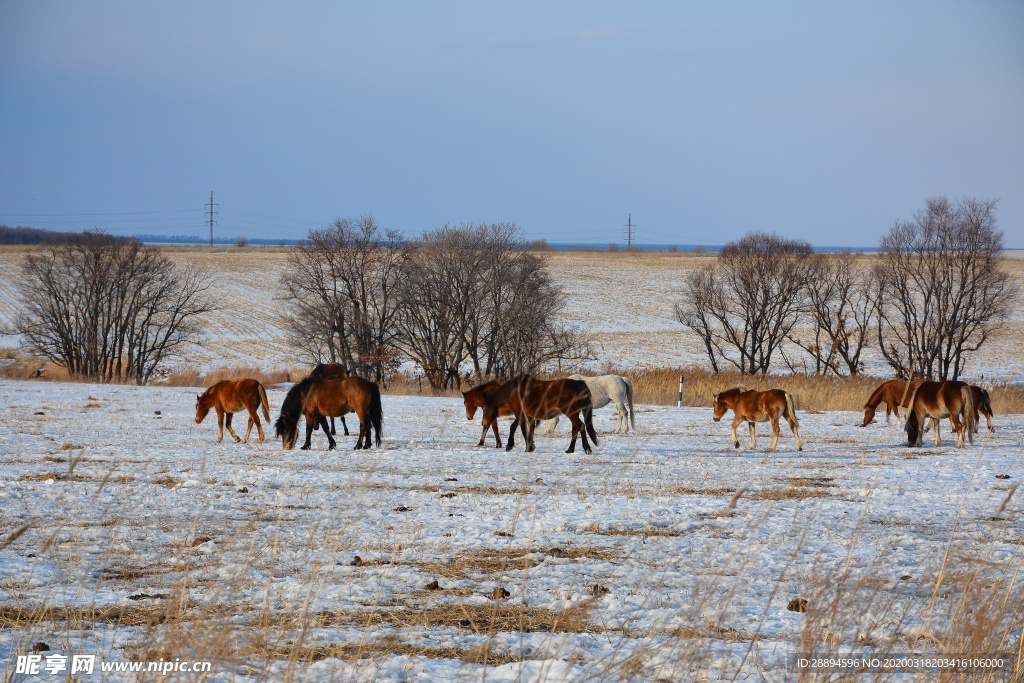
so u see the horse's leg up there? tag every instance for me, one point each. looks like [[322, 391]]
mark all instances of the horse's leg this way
[[888, 411], [220, 425], [309, 432], [753, 440], [512, 434], [794, 426], [583, 435], [937, 421], [331, 443], [248, 430], [483, 434], [227, 423], [497, 436], [343, 425], [574, 423], [332, 426], [735, 423], [775, 432], [529, 425], [959, 427]]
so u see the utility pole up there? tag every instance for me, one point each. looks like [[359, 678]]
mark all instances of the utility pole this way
[[211, 215], [629, 231]]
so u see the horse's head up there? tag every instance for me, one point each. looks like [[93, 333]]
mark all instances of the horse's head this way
[[471, 405], [869, 416], [913, 428], [720, 407], [202, 407], [289, 433]]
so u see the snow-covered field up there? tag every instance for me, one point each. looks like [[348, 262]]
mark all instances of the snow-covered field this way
[[149, 540]]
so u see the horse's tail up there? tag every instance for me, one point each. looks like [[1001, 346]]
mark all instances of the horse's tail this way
[[264, 402], [629, 400], [913, 429], [791, 409], [375, 413], [588, 423], [967, 398]]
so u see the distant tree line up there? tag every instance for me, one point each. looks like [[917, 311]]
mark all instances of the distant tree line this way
[[25, 235], [935, 292]]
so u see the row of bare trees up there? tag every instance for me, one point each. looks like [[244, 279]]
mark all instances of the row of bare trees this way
[[108, 308], [935, 292], [456, 298]]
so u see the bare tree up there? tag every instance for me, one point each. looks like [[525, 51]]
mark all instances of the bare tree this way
[[109, 308], [342, 285], [746, 303], [441, 289], [475, 294], [840, 303], [944, 290]]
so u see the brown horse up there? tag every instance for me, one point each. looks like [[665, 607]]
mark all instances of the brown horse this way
[[937, 400], [331, 371], [474, 398], [528, 400], [318, 399], [231, 397], [758, 406], [895, 394], [983, 405]]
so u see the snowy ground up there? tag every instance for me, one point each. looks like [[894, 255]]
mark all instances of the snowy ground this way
[[694, 591]]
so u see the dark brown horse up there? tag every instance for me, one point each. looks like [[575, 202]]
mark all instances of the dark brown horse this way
[[331, 371], [318, 399], [758, 406], [474, 398], [528, 399], [895, 394], [937, 400], [232, 397]]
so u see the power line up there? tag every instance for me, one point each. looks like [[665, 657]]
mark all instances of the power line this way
[[211, 214], [629, 234]]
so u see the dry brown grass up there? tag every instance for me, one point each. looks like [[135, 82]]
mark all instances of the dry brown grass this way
[[134, 615], [480, 618]]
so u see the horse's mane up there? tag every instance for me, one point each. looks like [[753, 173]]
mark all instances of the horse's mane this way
[[319, 370], [291, 407], [484, 385], [505, 392], [742, 388]]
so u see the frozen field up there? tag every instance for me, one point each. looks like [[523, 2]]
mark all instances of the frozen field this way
[[151, 541], [616, 299]]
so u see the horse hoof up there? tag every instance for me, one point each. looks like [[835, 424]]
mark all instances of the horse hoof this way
[[237, 440], [570, 450], [303, 448], [588, 451]]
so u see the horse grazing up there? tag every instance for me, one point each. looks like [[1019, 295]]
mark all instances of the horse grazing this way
[[937, 400], [230, 397], [895, 394], [318, 399], [758, 406], [474, 398], [528, 399], [983, 405], [604, 390], [331, 371]]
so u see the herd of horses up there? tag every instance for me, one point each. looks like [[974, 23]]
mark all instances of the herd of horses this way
[[328, 393]]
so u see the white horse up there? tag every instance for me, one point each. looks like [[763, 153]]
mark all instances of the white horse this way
[[604, 390]]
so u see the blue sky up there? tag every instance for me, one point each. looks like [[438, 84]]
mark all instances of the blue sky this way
[[826, 121]]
